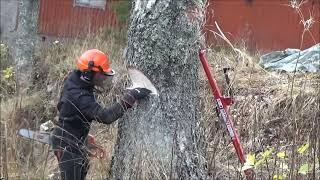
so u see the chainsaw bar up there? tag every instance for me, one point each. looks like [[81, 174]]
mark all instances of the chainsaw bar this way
[[94, 149]]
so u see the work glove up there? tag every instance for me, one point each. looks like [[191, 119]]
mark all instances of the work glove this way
[[132, 95]]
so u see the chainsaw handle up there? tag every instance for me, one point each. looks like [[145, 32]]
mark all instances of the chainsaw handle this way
[[101, 154], [93, 148], [226, 76], [96, 151]]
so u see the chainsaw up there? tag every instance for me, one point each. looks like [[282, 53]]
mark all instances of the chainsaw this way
[[43, 137]]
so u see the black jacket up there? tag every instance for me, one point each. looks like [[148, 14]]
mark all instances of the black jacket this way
[[78, 108]]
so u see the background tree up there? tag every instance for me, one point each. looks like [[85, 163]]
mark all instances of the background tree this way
[[161, 138]]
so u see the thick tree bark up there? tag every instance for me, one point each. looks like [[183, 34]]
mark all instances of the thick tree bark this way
[[160, 138]]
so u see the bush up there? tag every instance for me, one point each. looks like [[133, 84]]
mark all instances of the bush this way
[[7, 81], [4, 56]]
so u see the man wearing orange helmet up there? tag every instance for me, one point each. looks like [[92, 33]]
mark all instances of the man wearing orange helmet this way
[[78, 107]]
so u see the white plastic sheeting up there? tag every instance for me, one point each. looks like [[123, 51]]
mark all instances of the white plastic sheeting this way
[[291, 60]]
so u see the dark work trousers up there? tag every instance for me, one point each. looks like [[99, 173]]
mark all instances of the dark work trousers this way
[[71, 154], [72, 165]]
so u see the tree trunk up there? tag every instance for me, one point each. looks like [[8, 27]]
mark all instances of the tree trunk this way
[[22, 39], [160, 138]]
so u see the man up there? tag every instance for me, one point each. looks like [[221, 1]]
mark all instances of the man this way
[[78, 107]]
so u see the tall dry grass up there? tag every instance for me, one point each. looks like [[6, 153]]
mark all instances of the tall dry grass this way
[[269, 113], [268, 117], [273, 112]]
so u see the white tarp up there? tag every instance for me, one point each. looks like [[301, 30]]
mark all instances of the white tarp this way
[[290, 60]]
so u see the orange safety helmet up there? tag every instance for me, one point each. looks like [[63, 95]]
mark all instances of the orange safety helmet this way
[[95, 60]]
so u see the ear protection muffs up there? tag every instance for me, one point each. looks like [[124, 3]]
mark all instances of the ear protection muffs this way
[[88, 74]]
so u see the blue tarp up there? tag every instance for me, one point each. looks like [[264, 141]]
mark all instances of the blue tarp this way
[[290, 60]]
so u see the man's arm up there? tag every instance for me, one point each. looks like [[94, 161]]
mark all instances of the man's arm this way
[[93, 110], [110, 114]]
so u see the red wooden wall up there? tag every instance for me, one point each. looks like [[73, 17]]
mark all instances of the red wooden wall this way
[[263, 24], [60, 18]]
